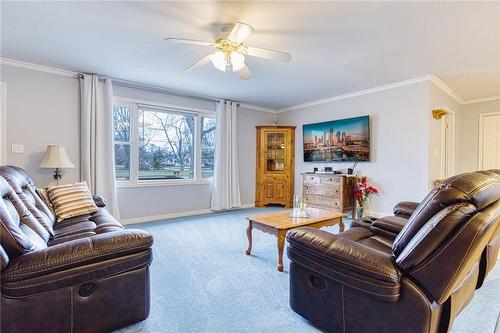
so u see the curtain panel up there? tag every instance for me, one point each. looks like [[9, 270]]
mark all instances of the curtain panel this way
[[97, 160], [226, 185]]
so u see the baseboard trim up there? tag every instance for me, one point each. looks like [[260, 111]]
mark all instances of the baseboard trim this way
[[167, 216]]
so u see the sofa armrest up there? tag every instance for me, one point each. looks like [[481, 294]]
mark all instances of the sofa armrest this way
[[389, 226], [345, 261], [405, 208], [76, 253], [344, 252], [99, 201]]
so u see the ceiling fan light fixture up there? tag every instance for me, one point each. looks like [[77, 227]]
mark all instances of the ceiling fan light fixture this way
[[219, 60], [237, 61]]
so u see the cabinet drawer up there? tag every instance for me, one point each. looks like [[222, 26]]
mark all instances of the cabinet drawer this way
[[319, 200], [311, 180], [328, 191], [331, 180]]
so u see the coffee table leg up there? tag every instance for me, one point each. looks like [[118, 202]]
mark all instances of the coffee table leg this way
[[249, 235], [341, 225], [281, 246]]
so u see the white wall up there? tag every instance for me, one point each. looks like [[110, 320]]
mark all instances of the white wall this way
[[399, 141], [468, 140], [42, 109]]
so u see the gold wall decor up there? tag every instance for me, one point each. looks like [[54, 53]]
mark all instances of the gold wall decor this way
[[439, 113]]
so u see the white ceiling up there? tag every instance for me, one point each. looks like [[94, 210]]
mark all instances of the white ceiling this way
[[337, 47]]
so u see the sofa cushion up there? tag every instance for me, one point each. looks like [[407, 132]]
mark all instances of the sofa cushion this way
[[24, 187], [20, 231], [71, 200]]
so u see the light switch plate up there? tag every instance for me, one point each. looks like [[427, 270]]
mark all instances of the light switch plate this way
[[17, 148]]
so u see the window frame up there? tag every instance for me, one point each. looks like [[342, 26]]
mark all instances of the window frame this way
[[134, 180]]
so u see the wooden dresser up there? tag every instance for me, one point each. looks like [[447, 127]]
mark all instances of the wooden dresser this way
[[329, 191], [275, 165]]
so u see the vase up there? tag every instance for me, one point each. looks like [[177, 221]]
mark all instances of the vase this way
[[359, 212]]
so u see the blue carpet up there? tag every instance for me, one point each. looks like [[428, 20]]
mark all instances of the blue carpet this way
[[201, 281]]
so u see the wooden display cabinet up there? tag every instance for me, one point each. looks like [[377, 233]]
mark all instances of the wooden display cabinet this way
[[275, 165]]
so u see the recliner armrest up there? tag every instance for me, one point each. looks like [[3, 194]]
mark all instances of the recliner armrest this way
[[99, 201], [389, 226], [345, 252], [77, 253], [405, 208], [346, 261]]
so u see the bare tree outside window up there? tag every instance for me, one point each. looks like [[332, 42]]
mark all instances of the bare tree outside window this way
[[167, 141], [121, 127], [207, 147]]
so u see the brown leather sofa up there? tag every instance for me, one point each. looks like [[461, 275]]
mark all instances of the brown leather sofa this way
[[84, 274], [411, 272]]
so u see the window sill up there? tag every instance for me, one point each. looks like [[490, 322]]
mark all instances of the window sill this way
[[163, 183]]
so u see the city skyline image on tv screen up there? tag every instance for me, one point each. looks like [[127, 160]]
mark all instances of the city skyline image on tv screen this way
[[343, 140]]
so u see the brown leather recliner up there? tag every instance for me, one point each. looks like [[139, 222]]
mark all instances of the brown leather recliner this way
[[364, 280], [84, 274]]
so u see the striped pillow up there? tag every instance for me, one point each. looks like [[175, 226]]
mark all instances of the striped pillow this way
[[42, 193], [71, 200]]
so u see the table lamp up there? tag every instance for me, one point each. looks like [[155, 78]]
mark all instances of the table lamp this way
[[56, 158]]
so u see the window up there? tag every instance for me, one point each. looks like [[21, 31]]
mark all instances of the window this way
[[166, 145], [121, 126], [155, 144], [207, 147]]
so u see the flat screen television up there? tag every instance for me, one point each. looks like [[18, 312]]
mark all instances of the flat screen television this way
[[343, 140]]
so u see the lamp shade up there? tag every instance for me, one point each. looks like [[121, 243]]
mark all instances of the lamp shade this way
[[56, 157]]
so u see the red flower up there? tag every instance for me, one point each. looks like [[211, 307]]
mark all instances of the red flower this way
[[362, 191]]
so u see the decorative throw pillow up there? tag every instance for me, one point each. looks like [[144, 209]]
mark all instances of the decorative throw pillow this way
[[71, 200], [42, 193]]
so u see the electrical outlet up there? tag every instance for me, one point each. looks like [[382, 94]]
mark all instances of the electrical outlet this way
[[17, 148]]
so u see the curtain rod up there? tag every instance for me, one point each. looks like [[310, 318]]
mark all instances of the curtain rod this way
[[152, 87]]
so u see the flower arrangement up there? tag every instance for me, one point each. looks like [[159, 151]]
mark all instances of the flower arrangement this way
[[361, 192]]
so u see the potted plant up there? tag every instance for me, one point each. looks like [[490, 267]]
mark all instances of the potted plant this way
[[361, 192]]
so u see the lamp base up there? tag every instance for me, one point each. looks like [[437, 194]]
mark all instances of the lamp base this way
[[57, 175]]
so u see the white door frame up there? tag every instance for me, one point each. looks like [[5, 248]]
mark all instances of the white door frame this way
[[3, 123], [448, 170], [481, 136]]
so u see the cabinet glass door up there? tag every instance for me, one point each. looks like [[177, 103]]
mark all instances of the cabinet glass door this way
[[275, 150]]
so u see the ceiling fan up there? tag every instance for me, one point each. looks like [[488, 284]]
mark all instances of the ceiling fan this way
[[230, 51]]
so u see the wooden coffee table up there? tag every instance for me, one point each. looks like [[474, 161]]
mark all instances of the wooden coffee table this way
[[279, 223]]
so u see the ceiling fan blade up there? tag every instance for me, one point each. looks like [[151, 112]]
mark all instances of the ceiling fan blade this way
[[198, 64], [240, 32], [188, 41], [244, 73], [268, 54]]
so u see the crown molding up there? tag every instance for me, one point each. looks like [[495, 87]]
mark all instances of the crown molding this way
[[358, 93], [258, 108], [126, 83], [481, 100], [440, 84], [35, 67], [432, 78]]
